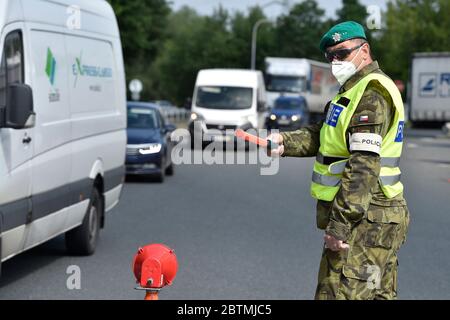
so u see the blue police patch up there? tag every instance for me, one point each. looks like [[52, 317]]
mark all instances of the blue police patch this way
[[333, 115], [399, 136]]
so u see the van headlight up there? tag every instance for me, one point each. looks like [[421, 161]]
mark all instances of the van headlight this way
[[150, 148], [196, 116], [273, 117], [295, 118]]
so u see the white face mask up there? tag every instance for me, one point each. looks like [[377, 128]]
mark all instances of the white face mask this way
[[343, 70]]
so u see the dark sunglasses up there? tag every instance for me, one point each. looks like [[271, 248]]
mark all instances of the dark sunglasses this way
[[341, 54]]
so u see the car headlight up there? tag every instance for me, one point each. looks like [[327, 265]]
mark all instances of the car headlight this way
[[295, 118], [151, 148], [273, 117]]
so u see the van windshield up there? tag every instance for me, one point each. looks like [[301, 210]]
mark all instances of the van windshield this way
[[142, 118], [215, 97], [285, 84]]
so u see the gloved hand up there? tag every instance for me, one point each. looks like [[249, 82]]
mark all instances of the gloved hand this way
[[276, 138]]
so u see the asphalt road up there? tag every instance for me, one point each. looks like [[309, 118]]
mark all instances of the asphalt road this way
[[240, 235]]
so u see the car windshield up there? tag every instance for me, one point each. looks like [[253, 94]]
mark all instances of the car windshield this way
[[290, 104], [163, 103], [142, 118], [285, 84], [224, 97]]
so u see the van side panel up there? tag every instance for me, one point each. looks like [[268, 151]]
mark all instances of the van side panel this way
[[98, 105], [78, 82], [51, 163], [15, 165]]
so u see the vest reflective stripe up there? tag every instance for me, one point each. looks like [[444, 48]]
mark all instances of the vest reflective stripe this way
[[333, 181], [390, 162], [385, 161], [324, 180], [338, 167], [390, 180], [334, 154]]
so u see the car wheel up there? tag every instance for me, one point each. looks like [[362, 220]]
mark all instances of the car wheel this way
[[83, 239], [170, 170], [162, 172]]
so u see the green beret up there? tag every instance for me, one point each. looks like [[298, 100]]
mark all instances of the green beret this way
[[342, 32]]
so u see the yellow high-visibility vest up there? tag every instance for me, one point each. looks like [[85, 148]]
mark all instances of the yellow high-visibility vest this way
[[333, 153]]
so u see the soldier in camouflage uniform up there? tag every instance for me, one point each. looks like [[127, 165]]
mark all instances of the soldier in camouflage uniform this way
[[364, 229]]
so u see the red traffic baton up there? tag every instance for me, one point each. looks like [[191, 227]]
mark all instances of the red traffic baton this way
[[266, 143]]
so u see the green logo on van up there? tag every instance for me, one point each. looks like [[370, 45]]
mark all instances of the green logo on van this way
[[50, 68], [85, 70], [80, 69]]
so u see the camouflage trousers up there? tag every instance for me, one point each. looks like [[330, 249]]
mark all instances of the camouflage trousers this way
[[368, 270]]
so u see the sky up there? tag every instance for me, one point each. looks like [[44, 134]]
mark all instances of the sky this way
[[206, 7]]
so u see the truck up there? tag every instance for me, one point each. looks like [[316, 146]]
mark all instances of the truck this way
[[63, 122], [292, 77], [429, 94]]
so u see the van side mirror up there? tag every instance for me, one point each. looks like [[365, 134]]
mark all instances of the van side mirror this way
[[18, 113], [308, 86], [262, 106]]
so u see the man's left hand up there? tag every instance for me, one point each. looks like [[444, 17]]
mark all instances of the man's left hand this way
[[334, 244]]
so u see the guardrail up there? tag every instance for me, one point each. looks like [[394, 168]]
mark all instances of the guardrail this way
[[175, 114]]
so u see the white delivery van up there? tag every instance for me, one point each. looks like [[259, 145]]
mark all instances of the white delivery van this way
[[62, 122], [224, 100], [291, 77], [429, 93]]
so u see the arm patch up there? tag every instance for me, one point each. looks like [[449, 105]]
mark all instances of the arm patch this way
[[366, 142]]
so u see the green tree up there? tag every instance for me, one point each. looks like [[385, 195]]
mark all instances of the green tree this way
[[196, 43], [413, 26], [352, 10], [142, 25], [241, 29], [298, 34]]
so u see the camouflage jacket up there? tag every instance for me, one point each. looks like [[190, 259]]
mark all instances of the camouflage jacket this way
[[360, 185]]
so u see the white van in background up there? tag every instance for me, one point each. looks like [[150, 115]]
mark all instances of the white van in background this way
[[292, 77], [62, 123], [227, 99]]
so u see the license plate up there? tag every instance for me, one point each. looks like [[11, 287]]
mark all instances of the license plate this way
[[221, 138], [283, 121]]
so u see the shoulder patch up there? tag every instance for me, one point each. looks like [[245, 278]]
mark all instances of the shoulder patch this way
[[400, 129], [344, 101], [333, 115]]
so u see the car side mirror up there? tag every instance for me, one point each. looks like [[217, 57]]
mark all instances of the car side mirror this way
[[18, 113], [170, 127]]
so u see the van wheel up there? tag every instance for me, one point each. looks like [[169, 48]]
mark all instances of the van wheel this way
[[83, 239]]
